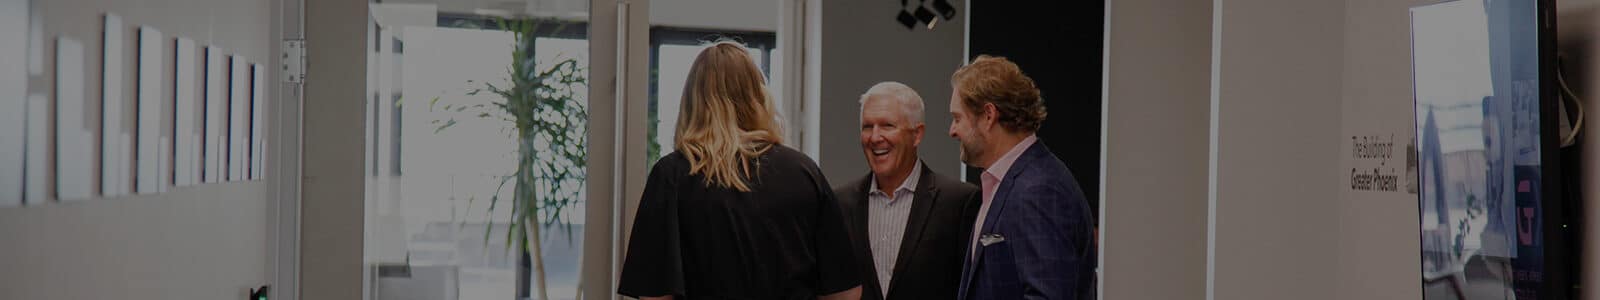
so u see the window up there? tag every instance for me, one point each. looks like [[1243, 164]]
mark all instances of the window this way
[[672, 51]]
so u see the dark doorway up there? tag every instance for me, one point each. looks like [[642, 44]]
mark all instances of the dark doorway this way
[[1059, 45]]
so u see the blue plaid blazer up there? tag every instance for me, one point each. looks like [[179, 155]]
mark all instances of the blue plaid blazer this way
[[1039, 236]]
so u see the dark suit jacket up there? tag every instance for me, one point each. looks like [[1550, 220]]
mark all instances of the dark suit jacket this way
[[937, 231], [1041, 228]]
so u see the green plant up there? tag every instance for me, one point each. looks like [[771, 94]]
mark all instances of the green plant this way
[[546, 106], [652, 151]]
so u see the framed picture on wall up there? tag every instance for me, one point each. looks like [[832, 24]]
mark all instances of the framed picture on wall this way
[[13, 98], [73, 159], [186, 119], [116, 154], [152, 69]]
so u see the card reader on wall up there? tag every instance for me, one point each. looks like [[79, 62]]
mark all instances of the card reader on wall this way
[[259, 293]]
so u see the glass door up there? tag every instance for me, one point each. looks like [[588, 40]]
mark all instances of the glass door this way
[[476, 149]]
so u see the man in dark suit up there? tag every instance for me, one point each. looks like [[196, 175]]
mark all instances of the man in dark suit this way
[[909, 224], [1033, 237]]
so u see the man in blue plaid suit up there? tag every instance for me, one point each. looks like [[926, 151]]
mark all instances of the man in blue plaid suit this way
[[1033, 238]]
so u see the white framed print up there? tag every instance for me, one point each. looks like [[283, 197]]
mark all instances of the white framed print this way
[[73, 137], [152, 69], [186, 117], [13, 99], [239, 88], [215, 132], [258, 141], [116, 155]]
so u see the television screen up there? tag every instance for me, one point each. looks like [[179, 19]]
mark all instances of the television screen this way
[[1481, 146]]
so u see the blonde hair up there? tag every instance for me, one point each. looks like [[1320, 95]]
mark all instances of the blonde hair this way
[[726, 117]]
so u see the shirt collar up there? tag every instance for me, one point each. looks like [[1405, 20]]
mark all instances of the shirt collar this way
[[910, 185], [999, 168]]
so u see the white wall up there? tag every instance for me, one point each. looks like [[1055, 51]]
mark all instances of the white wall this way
[[1378, 230], [1275, 125], [861, 45], [1155, 147], [208, 242], [204, 242]]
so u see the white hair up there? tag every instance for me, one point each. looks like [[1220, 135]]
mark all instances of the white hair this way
[[910, 102]]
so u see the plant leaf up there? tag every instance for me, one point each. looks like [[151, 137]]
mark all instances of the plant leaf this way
[[451, 122]]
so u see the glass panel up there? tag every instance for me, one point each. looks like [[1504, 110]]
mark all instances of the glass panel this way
[[678, 32], [477, 129], [1476, 75]]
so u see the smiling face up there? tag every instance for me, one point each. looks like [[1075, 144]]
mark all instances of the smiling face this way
[[888, 137]]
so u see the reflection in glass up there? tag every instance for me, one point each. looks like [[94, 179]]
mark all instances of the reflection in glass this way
[[1476, 73]]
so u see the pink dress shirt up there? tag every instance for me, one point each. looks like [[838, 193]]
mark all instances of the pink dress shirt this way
[[991, 178]]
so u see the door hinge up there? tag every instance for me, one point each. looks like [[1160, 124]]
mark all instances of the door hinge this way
[[294, 61]]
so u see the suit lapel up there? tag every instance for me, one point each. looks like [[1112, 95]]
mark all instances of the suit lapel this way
[[858, 215], [859, 208], [996, 207], [1002, 193], [922, 204]]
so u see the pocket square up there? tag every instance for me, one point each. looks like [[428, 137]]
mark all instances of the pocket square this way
[[991, 239]]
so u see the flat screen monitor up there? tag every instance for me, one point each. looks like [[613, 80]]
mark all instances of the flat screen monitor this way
[[1488, 195]]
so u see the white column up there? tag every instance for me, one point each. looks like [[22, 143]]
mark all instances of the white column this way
[[1154, 149], [1275, 128], [333, 209]]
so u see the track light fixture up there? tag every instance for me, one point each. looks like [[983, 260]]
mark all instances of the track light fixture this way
[[945, 9], [910, 15], [905, 18]]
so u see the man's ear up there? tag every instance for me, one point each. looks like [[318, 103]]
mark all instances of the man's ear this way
[[991, 116], [918, 131]]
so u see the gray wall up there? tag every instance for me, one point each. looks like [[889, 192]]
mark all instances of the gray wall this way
[[863, 45], [1275, 128], [1155, 148], [203, 242]]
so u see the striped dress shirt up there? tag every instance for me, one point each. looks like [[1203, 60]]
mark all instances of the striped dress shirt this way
[[886, 220]]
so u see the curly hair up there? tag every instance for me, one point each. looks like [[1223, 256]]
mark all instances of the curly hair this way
[[996, 80]]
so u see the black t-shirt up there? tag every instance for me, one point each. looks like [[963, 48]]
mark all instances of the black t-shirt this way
[[784, 239]]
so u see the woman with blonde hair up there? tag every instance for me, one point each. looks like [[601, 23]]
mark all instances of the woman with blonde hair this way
[[732, 213]]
